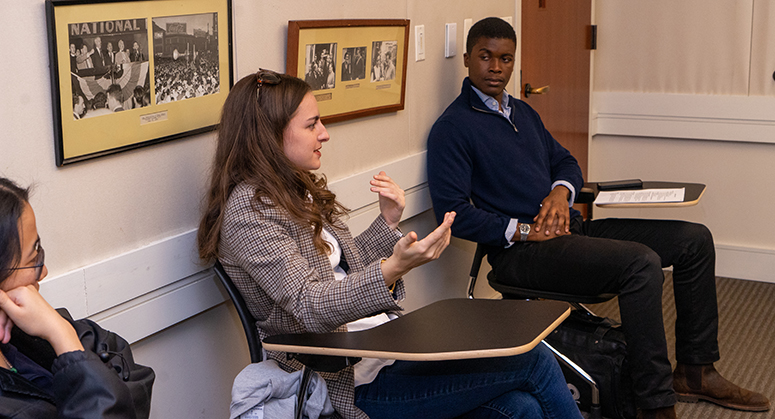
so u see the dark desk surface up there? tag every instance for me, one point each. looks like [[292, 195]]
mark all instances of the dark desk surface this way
[[692, 195], [447, 329]]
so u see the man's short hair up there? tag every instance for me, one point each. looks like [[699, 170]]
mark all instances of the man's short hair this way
[[114, 91], [99, 101], [490, 27]]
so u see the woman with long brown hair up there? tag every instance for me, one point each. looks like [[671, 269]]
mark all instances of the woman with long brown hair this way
[[278, 232]]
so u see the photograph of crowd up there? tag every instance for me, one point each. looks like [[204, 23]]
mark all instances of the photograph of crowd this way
[[320, 66], [108, 66], [353, 63], [186, 63], [383, 60]]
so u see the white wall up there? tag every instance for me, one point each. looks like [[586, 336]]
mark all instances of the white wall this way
[[668, 46], [684, 91], [118, 230]]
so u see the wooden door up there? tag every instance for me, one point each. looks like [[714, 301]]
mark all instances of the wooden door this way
[[556, 52]]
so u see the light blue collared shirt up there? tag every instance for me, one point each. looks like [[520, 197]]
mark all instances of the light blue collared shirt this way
[[492, 104]]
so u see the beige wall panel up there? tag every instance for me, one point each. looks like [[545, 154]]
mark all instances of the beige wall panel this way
[[737, 206], [96, 209], [195, 364], [667, 46], [261, 29], [432, 84], [763, 49]]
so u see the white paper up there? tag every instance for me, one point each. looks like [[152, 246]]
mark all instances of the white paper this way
[[640, 196]]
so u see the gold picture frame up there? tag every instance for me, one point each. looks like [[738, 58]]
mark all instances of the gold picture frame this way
[[356, 67], [131, 73]]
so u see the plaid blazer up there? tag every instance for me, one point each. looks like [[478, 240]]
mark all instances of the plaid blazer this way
[[289, 285]]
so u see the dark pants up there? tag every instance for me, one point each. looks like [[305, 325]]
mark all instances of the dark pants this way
[[626, 257]]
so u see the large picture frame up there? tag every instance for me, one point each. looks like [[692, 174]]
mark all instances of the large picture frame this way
[[356, 67], [131, 73]]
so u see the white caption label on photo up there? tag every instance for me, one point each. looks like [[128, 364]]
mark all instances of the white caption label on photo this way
[[153, 117]]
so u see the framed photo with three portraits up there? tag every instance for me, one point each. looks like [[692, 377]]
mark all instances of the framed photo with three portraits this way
[[356, 67]]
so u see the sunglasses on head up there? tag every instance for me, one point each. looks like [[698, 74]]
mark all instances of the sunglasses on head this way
[[266, 77]]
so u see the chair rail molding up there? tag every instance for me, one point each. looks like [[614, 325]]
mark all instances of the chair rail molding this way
[[664, 115]]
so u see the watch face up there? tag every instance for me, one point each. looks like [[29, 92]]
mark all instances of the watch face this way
[[524, 228]]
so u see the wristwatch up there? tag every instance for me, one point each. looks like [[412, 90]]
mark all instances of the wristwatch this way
[[524, 230]]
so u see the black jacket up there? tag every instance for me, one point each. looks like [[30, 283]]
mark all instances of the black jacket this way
[[101, 382]]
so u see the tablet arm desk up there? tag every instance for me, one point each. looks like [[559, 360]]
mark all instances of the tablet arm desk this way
[[445, 330]]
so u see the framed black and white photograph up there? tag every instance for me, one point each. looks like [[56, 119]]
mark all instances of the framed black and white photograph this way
[[320, 66], [106, 75], [383, 60], [127, 74], [186, 59], [356, 67], [354, 63]]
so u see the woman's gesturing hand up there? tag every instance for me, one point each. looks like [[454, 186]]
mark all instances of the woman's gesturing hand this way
[[410, 252], [391, 198]]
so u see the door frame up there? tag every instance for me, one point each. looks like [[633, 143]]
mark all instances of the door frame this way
[[516, 78]]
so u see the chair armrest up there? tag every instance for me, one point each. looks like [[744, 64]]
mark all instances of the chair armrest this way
[[586, 195], [478, 257]]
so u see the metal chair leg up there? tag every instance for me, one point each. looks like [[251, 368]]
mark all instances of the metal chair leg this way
[[303, 389], [471, 286]]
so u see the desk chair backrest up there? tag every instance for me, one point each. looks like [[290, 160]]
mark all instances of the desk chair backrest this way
[[248, 321], [481, 251], [315, 362]]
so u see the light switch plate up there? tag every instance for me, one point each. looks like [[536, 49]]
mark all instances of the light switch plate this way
[[419, 42], [450, 40], [467, 23]]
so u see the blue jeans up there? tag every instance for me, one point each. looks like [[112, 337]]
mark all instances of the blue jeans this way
[[530, 385]]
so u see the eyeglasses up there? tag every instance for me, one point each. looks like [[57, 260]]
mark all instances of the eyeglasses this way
[[266, 77], [40, 259]]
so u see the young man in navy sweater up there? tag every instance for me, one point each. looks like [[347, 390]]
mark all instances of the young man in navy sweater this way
[[512, 185]]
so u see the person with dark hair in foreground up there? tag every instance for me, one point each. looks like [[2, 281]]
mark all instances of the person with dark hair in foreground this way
[[52, 366], [279, 233], [491, 160]]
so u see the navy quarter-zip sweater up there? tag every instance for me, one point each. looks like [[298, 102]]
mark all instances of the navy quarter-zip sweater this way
[[489, 169]]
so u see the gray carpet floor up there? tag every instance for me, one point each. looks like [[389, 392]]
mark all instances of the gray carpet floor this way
[[746, 341]]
